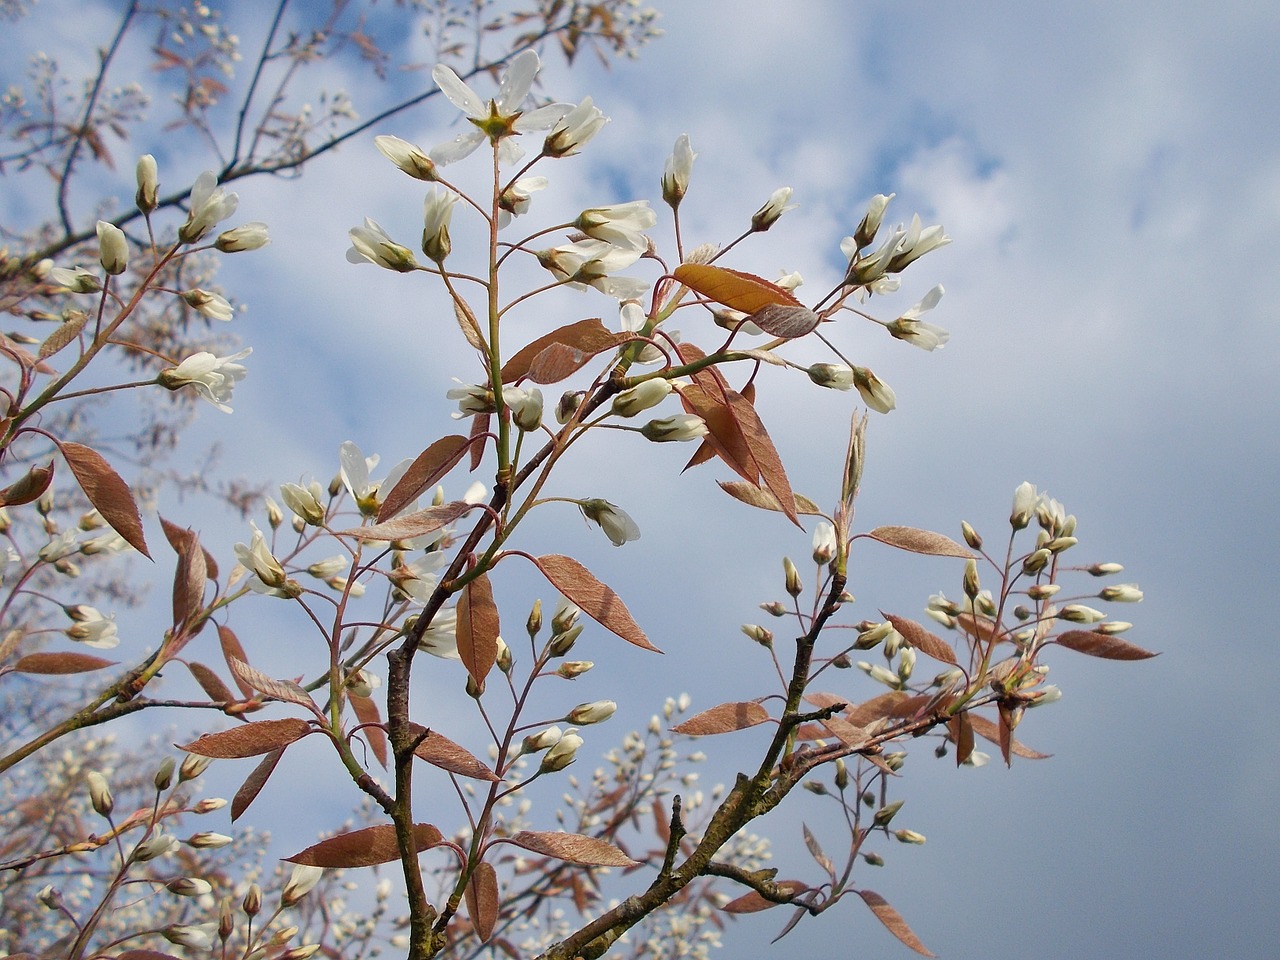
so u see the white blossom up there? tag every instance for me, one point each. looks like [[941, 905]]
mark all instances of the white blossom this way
[[213, 377], [210, 204]]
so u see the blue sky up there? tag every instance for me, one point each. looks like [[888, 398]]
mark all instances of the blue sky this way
[[1110, 176]]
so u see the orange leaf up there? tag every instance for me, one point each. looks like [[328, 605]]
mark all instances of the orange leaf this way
[[893, 921], [478, 628], [921, 639], [429, 467], [572, 847], [734, 289], [724, 718], [597, 600], [1102, 645], [438, 750], [250, 740], [919, 541], [366, 847], [59, 663], [107, 492], [482, 900]]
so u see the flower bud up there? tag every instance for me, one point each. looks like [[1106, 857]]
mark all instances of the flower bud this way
[[774, 608], [249, 236], [792, 575], [565, 616], [186, 935], [192, 766], [525, 407], [871, 220], [252, 902], [970, 535], [537, 742], [504, 660], [572, 669], [678, 169], [641, 397], [362, 683], [842, 774], [909, 836], [154, 846], [275, 516], [533, 625], [407, 157], [873, 859], [148, 183], [1122, 593], [568, 405], [208, 840], [824, 543], [1058, 544], [773, 208], [113, 248], [1043, 591], [301, 882], [1113, 627], [189, 887], [561, 643], [164, 775], [1079, 613], [1104, 569], [1036, 561], [226, 919], [872, 634], [886, 813], [561, 754], [585, 714], [676, 428], [100, 793], [972, 586], [759, 634], [906, 663], [304, 502], [834, 376], [1025, 499]]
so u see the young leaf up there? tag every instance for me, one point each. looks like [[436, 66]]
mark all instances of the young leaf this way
[[366, 847], [572, 847], [753, 902], [210, 683], [815, 851], [430, 466], [188, 577], [847, 733], [1102, 645], [478, 628], [107, 492], [961, 728], [66, 332], [28, 487], [231, 650], [988, 730], [732, 288], [438, 750], [249, 740], [416, 524], [917, 636], [482, 900], [285, 690], [597, 600], [724, 718], [60, 663], [366, 711], [254, 783], [919, 541], [893, 921], [754, 496], [787, 321], [579, 342], [763, 452]]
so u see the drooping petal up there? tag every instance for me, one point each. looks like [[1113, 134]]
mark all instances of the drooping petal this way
[[458, 93]]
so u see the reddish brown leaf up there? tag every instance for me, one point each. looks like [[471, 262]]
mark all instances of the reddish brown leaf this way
[[919, 541], [249, 740], [734, 289], [785, 320], [724, 718], [231, 650], [366, 847], [470, 328], [482, 900], [815, 851], [978, 627], [724, 437], [127, 955], [923, 640], [988, 730], [754, 496], [961, 735], [210, 683], [428, 469], [572, 847], [822, 700], [107, 492], [479, 429], [188, 577], [366, 711], [478, 629], [597, 600], [1102, 645], [893, 921], [28, 487], [438, 750], [254, 783], [58, 663], [849, 734], [753, 902], [416, 524], [885, 706], [285, 690], [583, 339], [765, 455]]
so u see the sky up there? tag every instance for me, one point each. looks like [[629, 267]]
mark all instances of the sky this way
[[1110, 177]]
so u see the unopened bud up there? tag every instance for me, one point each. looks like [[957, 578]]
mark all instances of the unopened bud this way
[[209, 804], [906, 663], [972, 586], [1122, 593], [871, 634], [1079, 613], [561, 754], [586, 714], [842, 774], [759, 634], [970, 535], [873, 859], [537, 742], [534, 624], [504, 660], [208, 840], [1058, 544], [164, 776], [189, 887], [909, 836], [565, 616], [148, 183], [562, 643], [568, 405], [641, 397], [1113, 627], [301, 882], [774, 608], [100, 793], [794, 584], [192, 767], [275, 516], [895, 760], [816, 787], [154, 846], [252, 902], [1036, 561], [572, 669], [1043, 591], [886, 813], [1105, 569], [226, 919]]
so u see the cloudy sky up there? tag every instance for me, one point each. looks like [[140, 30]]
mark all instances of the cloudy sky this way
[[1110, 176]]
